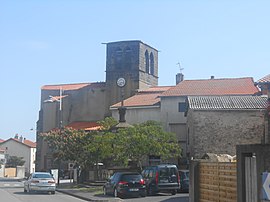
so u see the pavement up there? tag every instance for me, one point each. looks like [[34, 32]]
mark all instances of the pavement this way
[[87, 192]]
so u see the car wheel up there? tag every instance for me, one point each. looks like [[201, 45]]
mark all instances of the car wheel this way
[[52, 192], [143, 194], [115, 192], [173, 192]]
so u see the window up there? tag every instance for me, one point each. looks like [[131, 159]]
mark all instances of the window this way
[[151, 64], [119, 53], [146, 55], [181, 107]]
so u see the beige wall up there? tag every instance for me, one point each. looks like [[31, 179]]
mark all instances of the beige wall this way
[[169, 111], [139, 115], [220, 131], [14, 148]]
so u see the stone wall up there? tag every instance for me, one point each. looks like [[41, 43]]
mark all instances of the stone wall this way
[[220, 131]]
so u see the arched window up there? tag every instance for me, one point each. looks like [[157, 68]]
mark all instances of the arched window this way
[[146, 55], [119, 56], [152, 64], [128, 57]]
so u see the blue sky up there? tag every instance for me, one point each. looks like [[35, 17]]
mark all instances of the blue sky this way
[[60, 41]]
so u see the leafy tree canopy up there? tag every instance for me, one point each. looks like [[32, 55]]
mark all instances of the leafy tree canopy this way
[[128, 144], [14, 161]]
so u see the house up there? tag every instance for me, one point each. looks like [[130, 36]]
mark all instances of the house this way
[[264, 84], [2, 161], [143, 106], [216, 124], [169, 106], [134, 63], [21, 147]]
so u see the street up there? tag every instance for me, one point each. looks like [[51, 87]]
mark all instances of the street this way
[[11, 190]]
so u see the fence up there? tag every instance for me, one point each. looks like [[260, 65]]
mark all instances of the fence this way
[[217, 182]]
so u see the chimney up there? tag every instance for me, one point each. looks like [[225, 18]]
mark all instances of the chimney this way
[[21, 138], [212, 77], [179, 78]]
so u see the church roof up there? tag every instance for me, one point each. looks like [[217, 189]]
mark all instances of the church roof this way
[[226, 102], [227, 86], [74, 86], [84, 125], [148, 97]]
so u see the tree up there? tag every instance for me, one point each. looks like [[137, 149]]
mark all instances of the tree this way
[[128, 144], [107, 123], [149, 138], [14, 161]]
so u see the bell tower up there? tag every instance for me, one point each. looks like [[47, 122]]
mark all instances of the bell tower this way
[[134, 61]]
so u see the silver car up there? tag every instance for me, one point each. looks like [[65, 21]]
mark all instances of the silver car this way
[[40, 181]]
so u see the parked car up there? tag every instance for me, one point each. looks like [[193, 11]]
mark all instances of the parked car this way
[[161, 178], [184, 180], [40, 181], [123, 184]]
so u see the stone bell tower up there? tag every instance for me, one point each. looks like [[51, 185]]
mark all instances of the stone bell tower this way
[[134, 61]]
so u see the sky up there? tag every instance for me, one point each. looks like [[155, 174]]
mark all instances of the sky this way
[[45, 42]]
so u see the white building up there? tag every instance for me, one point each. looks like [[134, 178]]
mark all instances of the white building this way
[[21, 147]]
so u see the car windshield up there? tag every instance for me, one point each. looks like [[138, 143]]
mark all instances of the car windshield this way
[[42, 175], [165, 172], [131, 177]]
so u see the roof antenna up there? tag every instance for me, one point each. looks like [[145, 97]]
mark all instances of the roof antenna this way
[[180, 68], [179, 76]]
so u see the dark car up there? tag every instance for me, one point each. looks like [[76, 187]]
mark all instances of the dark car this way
[[123, 184], [161, 178], [184, 180]]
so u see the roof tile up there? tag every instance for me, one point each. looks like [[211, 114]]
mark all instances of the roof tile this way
[[227, 102], [148, 97], [74, 86], [84, 125], [232, 86], [265, 79]]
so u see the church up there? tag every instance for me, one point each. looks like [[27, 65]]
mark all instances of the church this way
[[131, 66]]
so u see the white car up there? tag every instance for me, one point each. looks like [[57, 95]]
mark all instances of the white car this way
[[40, 181]]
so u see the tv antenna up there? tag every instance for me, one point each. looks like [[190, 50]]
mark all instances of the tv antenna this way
[[180, 68]]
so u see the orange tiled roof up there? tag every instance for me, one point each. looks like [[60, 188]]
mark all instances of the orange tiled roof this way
[[30, 143], [26, 142], [84, 125], [1, 140], [148, 97], [265, 79], [74, 86], [229, 86]]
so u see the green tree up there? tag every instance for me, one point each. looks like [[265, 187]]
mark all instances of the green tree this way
[[14, 161], [149, 138], [107, 123], [85, 148], [68, 144]]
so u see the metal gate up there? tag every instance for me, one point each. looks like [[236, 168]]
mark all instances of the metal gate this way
[[251, 179]]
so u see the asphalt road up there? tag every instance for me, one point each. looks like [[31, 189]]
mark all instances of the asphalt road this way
[[12, 191]]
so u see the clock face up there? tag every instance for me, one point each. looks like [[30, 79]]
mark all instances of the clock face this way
[[121, 82]]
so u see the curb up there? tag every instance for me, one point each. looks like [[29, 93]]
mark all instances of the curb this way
[[80, 197]]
